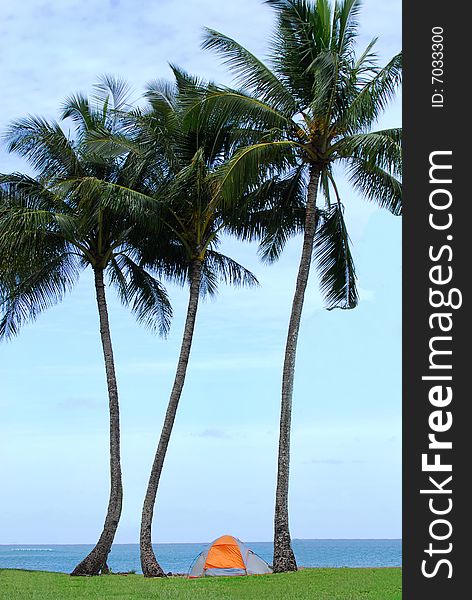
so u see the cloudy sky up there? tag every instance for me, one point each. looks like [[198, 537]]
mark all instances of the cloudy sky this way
[[220, 472]]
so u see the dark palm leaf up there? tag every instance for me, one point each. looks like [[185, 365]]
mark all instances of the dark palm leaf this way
[[334, 261], [376, 184], [251, 73], [142, 293], [28, 289], [380, 148], [228, 270], [44, 145]]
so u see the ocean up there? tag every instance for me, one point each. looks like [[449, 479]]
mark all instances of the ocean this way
[[176, 558]]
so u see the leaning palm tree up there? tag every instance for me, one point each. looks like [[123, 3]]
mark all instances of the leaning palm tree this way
[[58, 223], [312, 106], [188, 205]]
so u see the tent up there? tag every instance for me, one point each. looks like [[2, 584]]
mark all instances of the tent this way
[[227, 556]]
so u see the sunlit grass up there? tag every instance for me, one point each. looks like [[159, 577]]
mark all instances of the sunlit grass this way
[[307, 584]]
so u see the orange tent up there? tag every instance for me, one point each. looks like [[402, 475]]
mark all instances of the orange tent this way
[[228, 556]]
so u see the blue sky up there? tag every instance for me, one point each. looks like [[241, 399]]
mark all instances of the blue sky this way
[[220, 471]]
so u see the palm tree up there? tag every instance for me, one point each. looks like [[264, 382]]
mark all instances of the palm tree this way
[[58, 223], [312, 106], [188, 161]]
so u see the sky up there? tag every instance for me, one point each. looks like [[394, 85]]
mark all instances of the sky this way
[[219, 475]]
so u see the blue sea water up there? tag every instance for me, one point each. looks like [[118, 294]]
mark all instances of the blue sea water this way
[[178, 557]]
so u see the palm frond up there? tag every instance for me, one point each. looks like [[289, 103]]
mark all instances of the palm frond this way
[[303, 32], [271, 214], [251, 166], [30, 288], [251, 73], [116, 89], [277, 213], [376, 184], [33, 220], [334, 261], [376, 148], [367, 61], [239, 109], [44, 145], [228, 270], [142, 293], [346, 22], [121, 199], [77, 107], [20, 190], [372, 98], [161, 94]]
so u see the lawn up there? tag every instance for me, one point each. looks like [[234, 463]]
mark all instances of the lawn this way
[[308, 584]]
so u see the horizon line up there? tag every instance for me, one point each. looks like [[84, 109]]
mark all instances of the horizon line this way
[[207, 542]]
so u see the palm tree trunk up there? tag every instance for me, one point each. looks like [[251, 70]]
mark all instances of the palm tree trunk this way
[[284, 558], [149, 564], [96, 560]]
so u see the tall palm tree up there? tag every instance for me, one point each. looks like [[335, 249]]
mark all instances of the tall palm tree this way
[[190, 208], [58, 223], [312, 106]]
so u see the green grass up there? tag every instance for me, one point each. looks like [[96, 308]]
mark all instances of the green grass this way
[[308, 584]]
